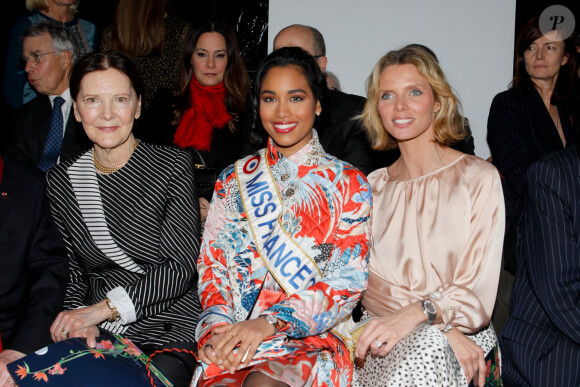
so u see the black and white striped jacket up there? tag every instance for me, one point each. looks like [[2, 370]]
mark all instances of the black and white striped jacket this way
[[151, 239]]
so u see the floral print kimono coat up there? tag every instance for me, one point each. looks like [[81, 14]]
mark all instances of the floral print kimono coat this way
[[326, 205]]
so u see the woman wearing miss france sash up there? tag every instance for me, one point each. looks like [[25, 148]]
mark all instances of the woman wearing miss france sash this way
[[284, 255]]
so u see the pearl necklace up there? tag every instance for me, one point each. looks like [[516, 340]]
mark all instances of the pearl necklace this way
[[101, 168]]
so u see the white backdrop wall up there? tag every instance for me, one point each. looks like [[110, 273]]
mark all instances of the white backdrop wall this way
[[472, 38]]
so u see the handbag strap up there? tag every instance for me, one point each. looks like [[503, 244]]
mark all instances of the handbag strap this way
[[199, 156]]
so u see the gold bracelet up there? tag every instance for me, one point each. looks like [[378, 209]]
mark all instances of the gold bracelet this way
[[113, 309]]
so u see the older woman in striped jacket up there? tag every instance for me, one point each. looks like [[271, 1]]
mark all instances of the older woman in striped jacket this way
[[129, 217]]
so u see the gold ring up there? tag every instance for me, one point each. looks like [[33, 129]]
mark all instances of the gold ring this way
[[231, 334]]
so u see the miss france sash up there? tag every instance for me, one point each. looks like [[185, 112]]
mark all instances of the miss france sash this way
[[292, 268]]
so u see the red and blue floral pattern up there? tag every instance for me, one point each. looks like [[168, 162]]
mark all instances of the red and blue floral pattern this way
[[326, 208]]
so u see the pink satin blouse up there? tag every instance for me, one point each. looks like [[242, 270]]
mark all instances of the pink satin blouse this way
[[438, 236]]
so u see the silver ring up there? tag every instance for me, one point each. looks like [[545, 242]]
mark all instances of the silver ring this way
[[64, 332], [378, 343], [208, 345]]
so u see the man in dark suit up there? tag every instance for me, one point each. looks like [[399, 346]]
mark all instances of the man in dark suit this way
[[339, 134], [34, 266], [540, 342], [50, 52]]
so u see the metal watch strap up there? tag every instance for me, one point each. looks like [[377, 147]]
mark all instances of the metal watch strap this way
[[430, 311]]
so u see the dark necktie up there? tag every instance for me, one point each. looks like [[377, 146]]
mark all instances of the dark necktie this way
[[54, 137]]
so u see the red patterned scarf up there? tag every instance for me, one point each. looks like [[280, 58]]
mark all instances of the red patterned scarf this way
[[207, 112]]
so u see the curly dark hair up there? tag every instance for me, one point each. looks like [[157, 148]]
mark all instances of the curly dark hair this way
[[283, 57]]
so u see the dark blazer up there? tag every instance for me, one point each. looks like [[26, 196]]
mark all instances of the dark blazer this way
[[339, 134], [519, 132], [30, 128], [34, 268], [540, 342]]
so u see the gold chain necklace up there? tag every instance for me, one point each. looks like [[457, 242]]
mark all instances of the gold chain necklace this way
[[101, 168]]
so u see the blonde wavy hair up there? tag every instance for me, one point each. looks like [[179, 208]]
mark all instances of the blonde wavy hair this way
[[448, 124], [42, 5]]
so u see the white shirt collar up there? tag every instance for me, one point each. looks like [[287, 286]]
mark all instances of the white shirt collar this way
[[65, 95]]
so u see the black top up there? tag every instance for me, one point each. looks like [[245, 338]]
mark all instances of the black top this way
[[520, 131], [340, 134]]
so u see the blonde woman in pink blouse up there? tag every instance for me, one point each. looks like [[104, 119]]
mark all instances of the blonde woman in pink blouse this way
[[437, 233]]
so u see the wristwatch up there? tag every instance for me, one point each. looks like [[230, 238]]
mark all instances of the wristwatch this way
[[272, 321], [430, 310]]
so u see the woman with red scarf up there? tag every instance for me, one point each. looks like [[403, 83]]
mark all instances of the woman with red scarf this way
[[212, 93]]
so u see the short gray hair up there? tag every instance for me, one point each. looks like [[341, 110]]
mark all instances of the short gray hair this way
[[62, 38]]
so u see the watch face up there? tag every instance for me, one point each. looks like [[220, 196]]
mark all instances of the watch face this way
[[430, 307], [271, 319]]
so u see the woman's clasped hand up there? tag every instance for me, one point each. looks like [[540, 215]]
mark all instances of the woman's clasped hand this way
[[80, 322], [232, 346], [383, 333]]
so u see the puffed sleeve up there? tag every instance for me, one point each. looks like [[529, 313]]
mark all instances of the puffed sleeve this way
[[467, 298], [323, 305]]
